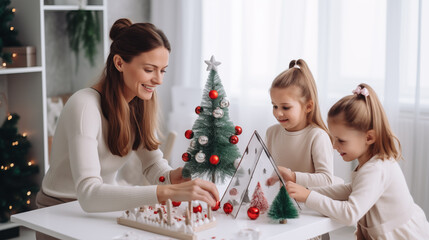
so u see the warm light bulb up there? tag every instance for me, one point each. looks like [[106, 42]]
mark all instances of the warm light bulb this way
[[15, 143], [12, 28], [14, 54], [12, 164], [13, 10], [10, 116], [28, 193], [5, 168], [10, 207], [30, 163], [4, 64], [2, 167], [28, 201], [24, 134]]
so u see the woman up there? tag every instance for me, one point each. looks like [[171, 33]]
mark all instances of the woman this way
[[103, 127]]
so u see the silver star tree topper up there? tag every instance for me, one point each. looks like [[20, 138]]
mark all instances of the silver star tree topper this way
[[212, 64]]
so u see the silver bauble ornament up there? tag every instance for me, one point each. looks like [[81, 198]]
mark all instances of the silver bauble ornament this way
[[193, 144], [200, 157], [203, 140], [224, 103], [218, 113]]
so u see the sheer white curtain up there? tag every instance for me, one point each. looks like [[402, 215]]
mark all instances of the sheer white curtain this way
[[384, 43]]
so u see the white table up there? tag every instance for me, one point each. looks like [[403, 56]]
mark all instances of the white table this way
[[69, 221]]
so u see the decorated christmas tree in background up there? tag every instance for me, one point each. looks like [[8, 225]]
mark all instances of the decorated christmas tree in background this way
[[213, 148], [17, 187], [282, 207], [259, 200], [7, 31]]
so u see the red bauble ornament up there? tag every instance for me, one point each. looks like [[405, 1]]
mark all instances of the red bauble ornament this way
[[186, 156], [227, 208], [215, 208], [189, 134], [213, 94], [233, 139], [176, 204], [197, 209], [214, 159], [233, 191], [162, 179], [253, 213], [238, 130], [198, 110]]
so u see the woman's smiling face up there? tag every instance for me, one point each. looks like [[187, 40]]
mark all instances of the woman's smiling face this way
[[143, 73]]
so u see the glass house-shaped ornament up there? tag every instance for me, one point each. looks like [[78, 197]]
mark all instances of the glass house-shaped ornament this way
[[255, 166]]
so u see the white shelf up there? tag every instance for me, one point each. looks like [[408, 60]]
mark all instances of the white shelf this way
[[72, 7], [4, 71], [8, 225]]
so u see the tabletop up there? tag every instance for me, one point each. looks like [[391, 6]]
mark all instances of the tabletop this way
[[69, 221]]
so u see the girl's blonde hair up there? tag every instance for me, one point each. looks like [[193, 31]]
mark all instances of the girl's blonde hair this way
[[137, 119], [364, 112], [299, 75]]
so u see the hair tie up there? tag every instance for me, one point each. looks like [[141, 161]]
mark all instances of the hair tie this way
[[361, 90]]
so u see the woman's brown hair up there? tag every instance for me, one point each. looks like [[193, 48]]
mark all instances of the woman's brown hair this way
[[137, 119], [299, 75], [365, 113]]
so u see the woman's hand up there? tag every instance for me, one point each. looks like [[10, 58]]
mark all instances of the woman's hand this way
[[297, 191], [176, 176], [196, 189], [286, 173]]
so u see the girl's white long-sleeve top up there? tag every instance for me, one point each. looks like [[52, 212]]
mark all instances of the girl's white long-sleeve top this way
[[82, 166], [377, 199], [308, 152]]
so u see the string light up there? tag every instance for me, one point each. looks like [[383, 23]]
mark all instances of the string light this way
[[5, 168], [12, 28], [12, 164], [10, 207], [13, 10], [2, 167], [10, 116], [24, 134], [3, 64], [14, 54], [30, 163], [28, 193], [28, 201], [15, 143]]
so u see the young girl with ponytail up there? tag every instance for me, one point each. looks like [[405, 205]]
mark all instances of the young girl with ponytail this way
[[377, 199], [300, 143]]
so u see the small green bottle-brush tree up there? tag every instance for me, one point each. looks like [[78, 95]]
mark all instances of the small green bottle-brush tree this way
[[282, 207]]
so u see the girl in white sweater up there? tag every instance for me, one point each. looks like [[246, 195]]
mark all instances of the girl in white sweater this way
[[300, 143], [377, 199]]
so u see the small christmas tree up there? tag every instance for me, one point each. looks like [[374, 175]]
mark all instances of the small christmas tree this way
[[16, 188], [213, 136], [282, 207], [258, 199], [7, 31]]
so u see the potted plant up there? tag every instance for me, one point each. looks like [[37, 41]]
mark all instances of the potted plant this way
[[83, 28]]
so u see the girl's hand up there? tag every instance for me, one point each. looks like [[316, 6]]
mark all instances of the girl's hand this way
[[196, 189], [176, 176], [297, 191], [286, 173]]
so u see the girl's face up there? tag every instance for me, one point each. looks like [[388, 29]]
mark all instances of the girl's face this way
[[143, 73], [288, 108], [350, 143]]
